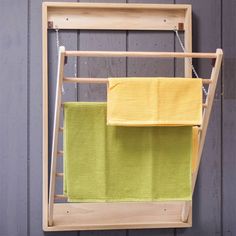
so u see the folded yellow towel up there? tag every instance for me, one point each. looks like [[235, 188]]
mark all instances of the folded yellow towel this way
[[111, 163], [154, 101]]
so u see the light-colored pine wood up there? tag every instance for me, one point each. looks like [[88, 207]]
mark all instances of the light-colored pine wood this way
[[112, 16], [207, 111], [60, 153], [188, 41], [104, 80], [56, 123], [45, 116], [91, 216], [60, 197], [130, 6], [186, 210], [60, 174], [140, 54]]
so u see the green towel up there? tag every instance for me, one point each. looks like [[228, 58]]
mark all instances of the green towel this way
[[112, 163]]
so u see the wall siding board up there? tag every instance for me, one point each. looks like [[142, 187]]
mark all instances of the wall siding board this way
[[13, 118], [229, 166], [229, 39], [229, 117], [69, 39], [35, 119]]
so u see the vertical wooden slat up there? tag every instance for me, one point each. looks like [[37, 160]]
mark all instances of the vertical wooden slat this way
[[207, 195], [56, 125], [229, 118], [188, 42], [13, 117], [45, 117], [150, 41]]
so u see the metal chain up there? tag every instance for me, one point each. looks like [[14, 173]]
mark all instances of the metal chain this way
[[58, 46], [190, 62]]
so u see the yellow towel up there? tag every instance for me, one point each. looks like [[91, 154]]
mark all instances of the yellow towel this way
[[154, 101]]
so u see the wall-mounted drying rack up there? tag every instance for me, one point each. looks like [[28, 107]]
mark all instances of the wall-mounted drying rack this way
[[87, 216]]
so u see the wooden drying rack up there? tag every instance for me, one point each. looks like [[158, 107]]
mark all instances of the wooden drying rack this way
[[99, 16]]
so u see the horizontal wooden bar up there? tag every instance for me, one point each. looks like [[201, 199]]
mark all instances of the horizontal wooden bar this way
[[61, 129], [140, 54], [60, 153], [206, 81], [204, 105], [59, 174], [122, 215], [104, 80], [60, 197], [57, 5], [86, 80], [110, 16]]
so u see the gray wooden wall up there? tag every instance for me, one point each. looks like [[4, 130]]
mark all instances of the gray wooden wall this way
[[214, 25]]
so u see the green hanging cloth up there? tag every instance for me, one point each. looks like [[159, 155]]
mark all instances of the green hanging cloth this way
[[111, 163]]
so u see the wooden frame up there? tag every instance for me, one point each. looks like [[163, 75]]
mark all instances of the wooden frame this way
[[82, 216]]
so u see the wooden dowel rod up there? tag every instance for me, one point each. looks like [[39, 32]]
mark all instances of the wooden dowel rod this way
[[206, 81], [60, 196], [59, 174], [60, 153], [139, 54], [204, 105], [86, 80], [104, 80], [61, 129]]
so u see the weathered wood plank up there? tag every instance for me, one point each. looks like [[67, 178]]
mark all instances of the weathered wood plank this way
[[150, 41], [228, 40], [103, 233], [151, 232], [229, 118], [35, 118], [13, 117], [68, 39], [229, 166]]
